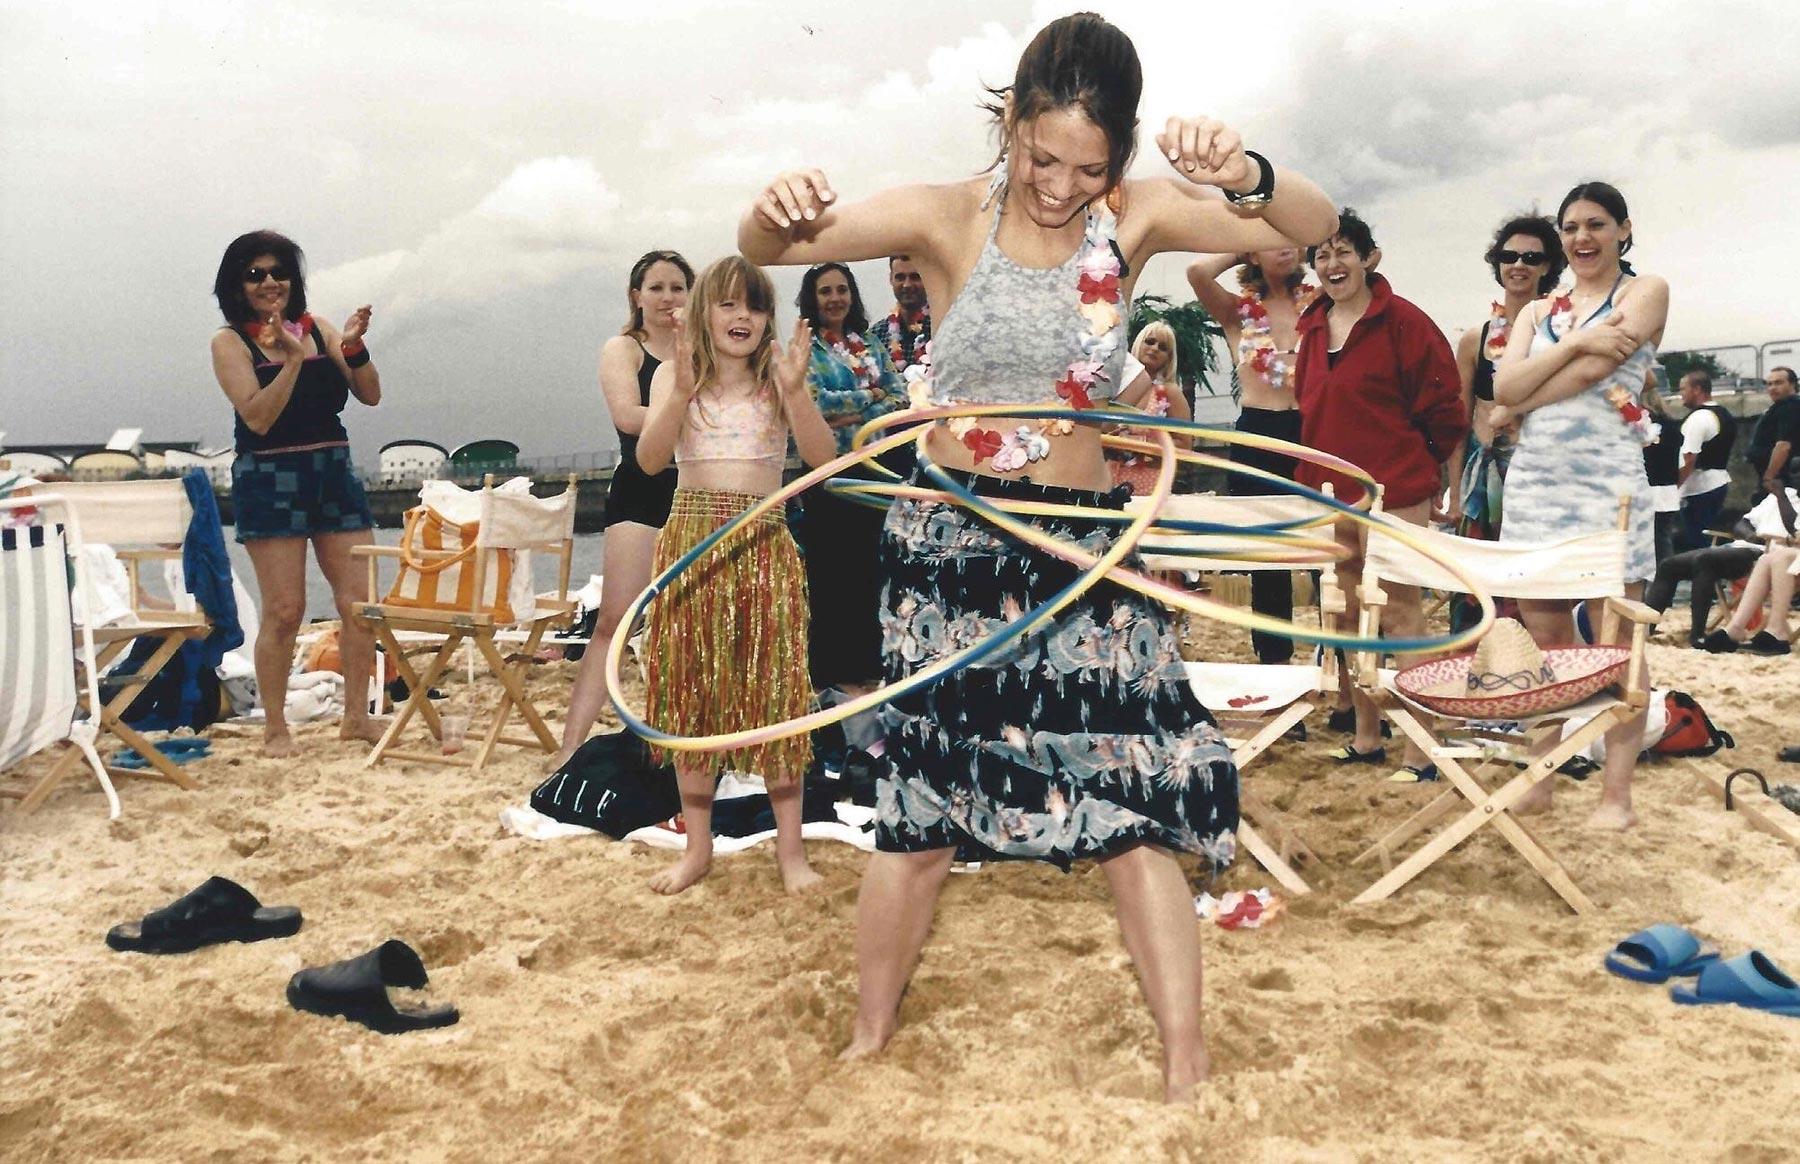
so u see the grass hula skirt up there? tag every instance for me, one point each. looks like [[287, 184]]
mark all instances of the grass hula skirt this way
[[725, 645]]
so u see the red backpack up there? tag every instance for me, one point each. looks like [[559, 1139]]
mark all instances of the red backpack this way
[[1690, 731]]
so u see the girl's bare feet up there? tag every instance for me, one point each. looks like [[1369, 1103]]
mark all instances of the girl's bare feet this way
[[798, 876], [279, 744], [1181, 1078], [865, 1043], [683, 873]]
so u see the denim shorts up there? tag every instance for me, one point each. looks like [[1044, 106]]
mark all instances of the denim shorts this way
[[296, 495]]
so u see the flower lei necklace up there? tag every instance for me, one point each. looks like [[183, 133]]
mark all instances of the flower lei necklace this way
[[1498, 328], [1100, 268], [257, 328], [864, 364], [1635, 416], [1256, 340], [898, 331]]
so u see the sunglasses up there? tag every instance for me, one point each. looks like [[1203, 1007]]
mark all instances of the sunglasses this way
[[256, 275], [1529, 258]]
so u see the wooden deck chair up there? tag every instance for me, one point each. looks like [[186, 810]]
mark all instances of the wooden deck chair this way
[[40, 643], [1255, 704], [141, 521], [1588, 567], [457, 561]]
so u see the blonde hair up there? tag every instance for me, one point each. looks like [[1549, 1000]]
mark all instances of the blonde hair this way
[[1162, 331], [733, 279]]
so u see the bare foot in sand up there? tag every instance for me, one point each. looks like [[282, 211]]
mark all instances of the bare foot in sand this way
[[1180, 1082], [365, 728], [799, 877], [1538, 800], [280, 745], [683, 873], [1613, 817], [864, 1045]]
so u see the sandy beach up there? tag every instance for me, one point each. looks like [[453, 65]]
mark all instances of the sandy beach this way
[[1467, 1018]]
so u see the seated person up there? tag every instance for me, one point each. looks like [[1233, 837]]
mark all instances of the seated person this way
[[1704, 568], [1773, 578]]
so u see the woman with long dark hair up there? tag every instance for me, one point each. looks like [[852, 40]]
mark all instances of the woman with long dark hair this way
[[1063, 748], [288, 376], [637, 503], [1573, 371]]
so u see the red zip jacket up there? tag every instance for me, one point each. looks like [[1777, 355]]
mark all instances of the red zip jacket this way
[[1392, 404]]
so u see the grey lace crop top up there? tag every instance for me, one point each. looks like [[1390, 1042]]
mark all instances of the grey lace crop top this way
[[1013, 332]]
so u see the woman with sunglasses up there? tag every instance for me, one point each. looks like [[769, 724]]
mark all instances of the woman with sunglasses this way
[[1527, 261], [288, 376]]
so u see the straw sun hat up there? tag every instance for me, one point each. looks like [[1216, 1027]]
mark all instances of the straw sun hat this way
[[1509, 676]]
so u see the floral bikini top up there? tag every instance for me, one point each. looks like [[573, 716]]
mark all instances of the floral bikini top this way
[[732, 430]]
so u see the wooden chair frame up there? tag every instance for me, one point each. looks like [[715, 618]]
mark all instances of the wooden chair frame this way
[[169, 628], [479, 628], [1487, 806], [1249, 732]]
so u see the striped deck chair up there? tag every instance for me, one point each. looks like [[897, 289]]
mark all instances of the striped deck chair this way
[[39, 646]]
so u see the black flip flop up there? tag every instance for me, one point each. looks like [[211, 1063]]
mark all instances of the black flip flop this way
[[357, 989], [219, 910]]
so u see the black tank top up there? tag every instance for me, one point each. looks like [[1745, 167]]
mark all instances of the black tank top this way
[[1482, 382], [311, 416], [628, 441], [1662, 458], [1716, 453]]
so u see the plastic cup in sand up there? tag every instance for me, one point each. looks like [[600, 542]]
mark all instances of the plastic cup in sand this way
[[456, 727]]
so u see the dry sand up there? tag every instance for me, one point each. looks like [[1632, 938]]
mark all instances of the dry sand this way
[[1465, 1019]]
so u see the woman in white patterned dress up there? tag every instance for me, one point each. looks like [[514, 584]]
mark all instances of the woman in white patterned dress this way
[[1566, 372]]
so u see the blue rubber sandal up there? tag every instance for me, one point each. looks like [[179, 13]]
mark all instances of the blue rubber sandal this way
[[1658, 954], [1749, 980]]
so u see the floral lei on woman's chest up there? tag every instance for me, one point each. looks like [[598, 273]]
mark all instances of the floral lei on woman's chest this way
[[1100, 268], [1256, 340], [902, 335], [1498, 329], [862, 361]]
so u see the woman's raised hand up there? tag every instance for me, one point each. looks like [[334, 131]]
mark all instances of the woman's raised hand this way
[[794, 196], [1207, 152], [274, 334], [357, 325], [791, 362]]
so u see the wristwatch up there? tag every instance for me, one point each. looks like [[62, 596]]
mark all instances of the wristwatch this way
[[1264, 190]]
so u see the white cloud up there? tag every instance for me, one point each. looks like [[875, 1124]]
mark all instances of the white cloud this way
[[549, 218]]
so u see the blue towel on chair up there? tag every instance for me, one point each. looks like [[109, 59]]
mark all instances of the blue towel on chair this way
[[207, 568]]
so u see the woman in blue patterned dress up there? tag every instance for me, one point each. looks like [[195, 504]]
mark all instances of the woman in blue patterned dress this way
[[1568, 368], [1083, 740]]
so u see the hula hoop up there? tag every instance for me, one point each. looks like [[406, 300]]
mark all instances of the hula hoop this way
[[866, 446]]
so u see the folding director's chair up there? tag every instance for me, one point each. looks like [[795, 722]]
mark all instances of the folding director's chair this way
[[1590, 567], [459, 554], [1255, 704], [142, 521]]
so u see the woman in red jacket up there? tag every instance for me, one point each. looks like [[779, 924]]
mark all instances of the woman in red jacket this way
[[1377, 385]]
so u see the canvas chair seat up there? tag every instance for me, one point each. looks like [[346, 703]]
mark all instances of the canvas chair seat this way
[[499, 526], [1590, 567]]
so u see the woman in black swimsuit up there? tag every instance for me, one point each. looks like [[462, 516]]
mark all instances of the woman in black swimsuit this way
[[637, 504], [289, 376]]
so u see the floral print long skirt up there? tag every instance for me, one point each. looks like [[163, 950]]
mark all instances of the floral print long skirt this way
[[1078, 740]]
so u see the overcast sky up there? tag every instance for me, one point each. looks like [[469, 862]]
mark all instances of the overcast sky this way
[[484, 172]]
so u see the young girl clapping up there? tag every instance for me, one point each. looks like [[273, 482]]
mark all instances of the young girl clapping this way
[[725, 645]]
